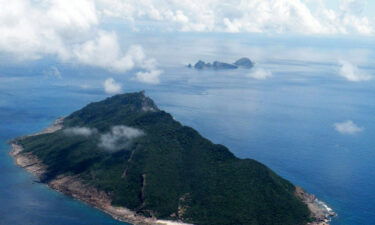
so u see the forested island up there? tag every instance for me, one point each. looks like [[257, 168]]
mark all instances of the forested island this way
[[132, 160]]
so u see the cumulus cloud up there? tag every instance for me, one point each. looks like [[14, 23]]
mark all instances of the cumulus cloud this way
[[150, 77], [347, 127], [150, 73], [271, 16], [111, 86], [31, 29], [72, 31], [119, 137], [260, 74], [351, 72], [77, 31], [80, 131], [104, 51]]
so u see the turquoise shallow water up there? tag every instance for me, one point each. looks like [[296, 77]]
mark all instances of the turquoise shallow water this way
[[285, 121]]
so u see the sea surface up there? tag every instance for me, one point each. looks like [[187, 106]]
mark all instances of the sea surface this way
[[285, 121]]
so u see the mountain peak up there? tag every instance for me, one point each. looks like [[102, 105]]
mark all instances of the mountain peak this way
[[116, 109], [138, 99]]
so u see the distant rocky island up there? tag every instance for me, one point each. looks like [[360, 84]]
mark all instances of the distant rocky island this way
[[128, 158], [216, 65]]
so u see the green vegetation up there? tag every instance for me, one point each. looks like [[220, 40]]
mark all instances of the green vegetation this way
[[171, 172]]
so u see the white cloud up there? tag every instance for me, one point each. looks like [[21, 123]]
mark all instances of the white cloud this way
[[78, 31], [351, 72], [31, 29], [347, 127], [80, 131], [70, 30], [150, 77], [150, 73], [80, 13], [111, 86], [260, 74], [119, 137], [270, 16], [104, 51]]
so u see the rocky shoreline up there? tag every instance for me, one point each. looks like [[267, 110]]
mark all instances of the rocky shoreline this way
[[319, 210], [75, 187]]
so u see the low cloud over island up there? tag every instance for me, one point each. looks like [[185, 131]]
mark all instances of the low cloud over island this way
[[80, 131], [117, 138]]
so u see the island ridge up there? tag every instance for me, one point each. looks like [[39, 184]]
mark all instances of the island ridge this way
[[132, 160]]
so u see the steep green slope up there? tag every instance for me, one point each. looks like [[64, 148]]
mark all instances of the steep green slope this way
[[164, 169]]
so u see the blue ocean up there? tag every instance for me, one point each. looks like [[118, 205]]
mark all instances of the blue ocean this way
[[287, 120]]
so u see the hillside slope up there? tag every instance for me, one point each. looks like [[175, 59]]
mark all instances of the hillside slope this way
[[150, 163]]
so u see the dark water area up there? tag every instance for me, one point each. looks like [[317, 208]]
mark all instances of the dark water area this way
[[285, 121]]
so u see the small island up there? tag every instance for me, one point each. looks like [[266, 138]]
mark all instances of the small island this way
[[128, 158], [216, 65]]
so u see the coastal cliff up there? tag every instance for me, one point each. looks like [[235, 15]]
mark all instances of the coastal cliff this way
[[89, 156]]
